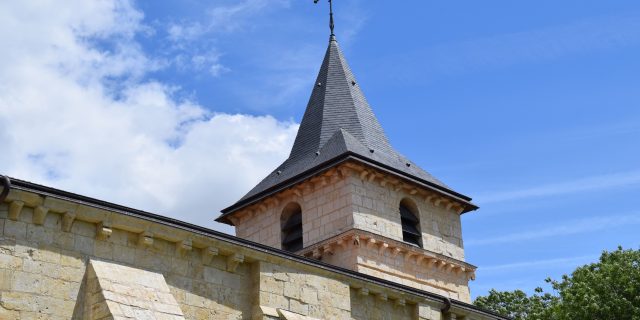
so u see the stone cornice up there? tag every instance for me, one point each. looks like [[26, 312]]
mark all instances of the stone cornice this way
[[412, 254], [339, 173], [109, 218]]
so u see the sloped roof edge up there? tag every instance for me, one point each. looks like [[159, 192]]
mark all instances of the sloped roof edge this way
[[101, 204], [332, 163]]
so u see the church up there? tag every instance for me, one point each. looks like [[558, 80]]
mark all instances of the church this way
[[345, 228]]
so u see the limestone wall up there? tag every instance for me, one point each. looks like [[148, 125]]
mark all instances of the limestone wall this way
[[42, 270], [326, 211], [376, 209], [306, 294], [334, 203], [367, 306], [144, 267]]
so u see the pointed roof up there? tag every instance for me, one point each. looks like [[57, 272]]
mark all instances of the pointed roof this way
[[338, 124]]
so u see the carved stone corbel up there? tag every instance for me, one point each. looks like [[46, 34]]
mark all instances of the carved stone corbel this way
[[67, 221], [233, 261], [39, 215], [103, 230], [208, 254], [145, 239], [15, 208]]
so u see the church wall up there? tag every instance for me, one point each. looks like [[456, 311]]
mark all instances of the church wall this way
[[47, 245], [326, 212], [42, 269], [331, 208], [372, 307], [376, 209], [304, 293], [393, 266]]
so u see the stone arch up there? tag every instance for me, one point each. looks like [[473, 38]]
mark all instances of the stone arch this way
[[410, 220], [291, 227]]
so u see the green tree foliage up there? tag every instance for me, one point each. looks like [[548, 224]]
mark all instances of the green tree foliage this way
[[607, 289], [517, 305]]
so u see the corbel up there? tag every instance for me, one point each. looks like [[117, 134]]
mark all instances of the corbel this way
[[324, 181], [431, 262], [396, 251], [400, 302], [429, 198], [459, 209], [342, 243], [39, 214], [449, 267], [145, 239], [413, 191], [317, 254], [440, 265], [356, 240], [67, 221], [364, 174], [438, 201], [276, 200], [383, 296], [297, 192], [372, 177], [363, 291], [371, 242], [234, 219], [184, 246], [103, 230], [208, 254], [327, 249], [471, 274], [343, 172], [419, 259], [408, 256], [450, 205], [15, 208], [233, 261], [383, 247]]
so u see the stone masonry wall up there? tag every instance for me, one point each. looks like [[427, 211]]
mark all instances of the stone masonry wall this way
[[331, 208], [376, 209], [318, 297], [326, 211], [48, 244], [42, 270], [371, 307], [397, 268]]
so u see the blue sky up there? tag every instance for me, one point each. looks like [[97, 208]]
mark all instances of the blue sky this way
[[532, 109]]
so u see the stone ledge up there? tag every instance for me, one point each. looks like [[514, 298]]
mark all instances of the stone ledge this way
[[383, 244]]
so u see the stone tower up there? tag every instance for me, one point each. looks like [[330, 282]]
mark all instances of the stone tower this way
[[347, 197]]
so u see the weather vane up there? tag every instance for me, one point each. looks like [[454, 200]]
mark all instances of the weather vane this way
[[330, 15]]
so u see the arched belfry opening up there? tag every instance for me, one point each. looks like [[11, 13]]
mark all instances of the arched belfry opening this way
[[291, 226], [410, 219]]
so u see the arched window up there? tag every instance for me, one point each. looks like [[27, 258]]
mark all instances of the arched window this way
[[291, 223], [410, 223]]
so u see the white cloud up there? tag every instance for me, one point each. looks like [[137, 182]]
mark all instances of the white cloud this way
[[568, 228], [527, 266], [595, 183], [77, 115]]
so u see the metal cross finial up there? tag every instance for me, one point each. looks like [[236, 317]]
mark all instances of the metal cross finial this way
[[331, 25]]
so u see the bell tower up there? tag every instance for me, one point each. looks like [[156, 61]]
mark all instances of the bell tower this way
[[347, 197]]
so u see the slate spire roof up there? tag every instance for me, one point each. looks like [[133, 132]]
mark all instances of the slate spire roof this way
[[338, 124]]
